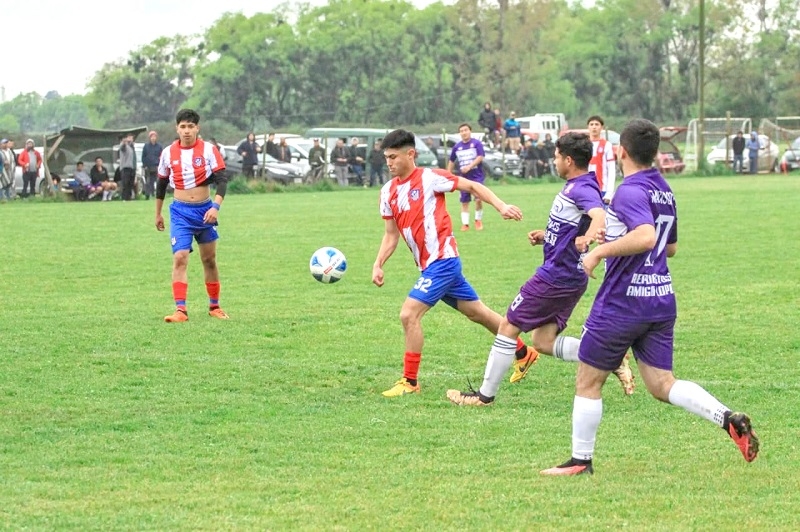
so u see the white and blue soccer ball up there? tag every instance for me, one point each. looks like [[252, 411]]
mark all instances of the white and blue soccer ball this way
[[328, 265]]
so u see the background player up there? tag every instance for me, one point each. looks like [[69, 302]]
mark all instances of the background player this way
[[190, 165], [413, 206], [546, 301], [603, 163], [635, 306], [466, 159]]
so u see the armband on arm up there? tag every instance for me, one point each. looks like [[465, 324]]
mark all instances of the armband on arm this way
[[161, 188]]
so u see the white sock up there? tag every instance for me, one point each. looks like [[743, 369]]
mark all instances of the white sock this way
[[692, 397], [501, 357], [478, 215], [586, 416], [464, 218], [566, 348], [105, 195]]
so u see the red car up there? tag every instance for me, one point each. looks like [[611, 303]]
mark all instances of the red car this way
[[668, 159]]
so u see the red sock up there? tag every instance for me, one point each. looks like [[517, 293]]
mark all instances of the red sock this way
[[522, 349], [179, 294], [213, 294], [411, 365]]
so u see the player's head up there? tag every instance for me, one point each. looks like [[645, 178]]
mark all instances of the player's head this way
[[187, 124], [465, 131], [398, 148], [573, 153], [79, 166], [595, 126], [639, 142]]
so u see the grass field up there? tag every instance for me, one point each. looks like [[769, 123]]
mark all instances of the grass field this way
[[111, 419]]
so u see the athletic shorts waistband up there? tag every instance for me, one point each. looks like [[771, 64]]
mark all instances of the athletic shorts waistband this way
[[192, 203]]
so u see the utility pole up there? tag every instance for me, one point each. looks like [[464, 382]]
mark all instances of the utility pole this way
[[701, 81]]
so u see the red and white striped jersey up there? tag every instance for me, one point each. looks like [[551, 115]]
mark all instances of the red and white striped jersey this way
[[417, 205], [189, 167], [603, 164]]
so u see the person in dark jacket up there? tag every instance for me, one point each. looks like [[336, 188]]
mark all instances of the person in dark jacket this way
[[272, 148], [738, 152], [283, 153], [356, 160], [487, 120], [377, 161], [151, 155], [249, 151]]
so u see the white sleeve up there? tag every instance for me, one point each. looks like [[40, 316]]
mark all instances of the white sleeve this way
[[609, 172]]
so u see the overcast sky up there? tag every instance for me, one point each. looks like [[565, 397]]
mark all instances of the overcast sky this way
[[60, 44]]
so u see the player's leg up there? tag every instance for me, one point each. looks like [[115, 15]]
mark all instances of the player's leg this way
[[479, 211], [654, 356], [207, 236], [501, 357], [180, 280], [411, 314], [465, 199], [601, 350]]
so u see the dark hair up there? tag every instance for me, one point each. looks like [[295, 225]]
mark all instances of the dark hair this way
[[641, 138], [465, 124], [398, 139], [98, 158], [79, 162], [596, 117], [187, 115], [578, 146]]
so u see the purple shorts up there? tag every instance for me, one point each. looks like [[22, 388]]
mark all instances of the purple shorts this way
[[539, 303], [465, 196], [604, 344]]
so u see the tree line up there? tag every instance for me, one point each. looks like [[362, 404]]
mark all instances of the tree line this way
[[388, 63]]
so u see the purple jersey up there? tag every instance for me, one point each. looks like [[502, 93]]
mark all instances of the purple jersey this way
[[638, 288], [568, 220], [464, 153]]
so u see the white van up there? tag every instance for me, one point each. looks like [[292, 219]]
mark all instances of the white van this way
[[553, 123]]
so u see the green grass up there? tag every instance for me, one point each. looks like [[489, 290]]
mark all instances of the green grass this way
[[111, 419]]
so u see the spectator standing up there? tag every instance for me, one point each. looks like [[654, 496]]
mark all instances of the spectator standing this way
[[127, 168], [356, 159], [513, 132], [283, 153], [30, 160], [316, 160], [377, 161], [7, 166], [249, 151], [488, 121], [340, 157], [752, 152], [550, 153], [151, 154], [271, 147], [738, 152]]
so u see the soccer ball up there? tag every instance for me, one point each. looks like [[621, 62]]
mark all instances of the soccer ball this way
[[328, 265]]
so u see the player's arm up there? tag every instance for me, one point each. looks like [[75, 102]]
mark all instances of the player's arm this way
[[483, 193], [391, 236], [641, 240], [219, 177], [597, 226], [474, 164], [672, 249], [161, 193]]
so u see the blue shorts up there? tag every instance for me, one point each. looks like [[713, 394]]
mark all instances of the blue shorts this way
[[186, 223], [443, 281]]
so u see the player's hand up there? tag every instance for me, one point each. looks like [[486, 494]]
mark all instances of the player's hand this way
[[600, 236], [377, 275], [511, 212], [464, 170], [159, 222], [582, 243], [536, 237], [607, 201], [590, 262], [210, 216]]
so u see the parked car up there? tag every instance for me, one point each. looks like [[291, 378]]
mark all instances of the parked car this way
[[495, 165], [273, 169], [768, 153], [668, 158], [791, 157]]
